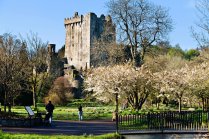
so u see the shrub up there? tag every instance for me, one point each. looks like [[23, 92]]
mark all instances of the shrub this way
[[40, 104], [60, 93]]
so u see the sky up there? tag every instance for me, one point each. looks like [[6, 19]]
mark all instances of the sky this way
[[46, 18]]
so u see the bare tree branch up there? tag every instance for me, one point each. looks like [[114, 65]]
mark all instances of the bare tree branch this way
[[140, 23]]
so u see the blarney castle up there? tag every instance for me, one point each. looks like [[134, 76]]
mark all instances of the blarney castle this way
[[81, 31]]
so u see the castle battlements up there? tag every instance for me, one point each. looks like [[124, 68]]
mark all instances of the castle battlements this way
[[75, 19], [79, 18], [72, 20]]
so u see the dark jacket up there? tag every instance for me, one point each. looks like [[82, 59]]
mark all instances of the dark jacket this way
[[80, 108], [50, 107]]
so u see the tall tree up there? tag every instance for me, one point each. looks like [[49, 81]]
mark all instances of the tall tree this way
[[37, 54], [106, 51], [140, 24], [202, 37], [13, 71]]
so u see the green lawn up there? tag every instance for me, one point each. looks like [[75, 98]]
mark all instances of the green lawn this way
[[71, 113], [34, 136]]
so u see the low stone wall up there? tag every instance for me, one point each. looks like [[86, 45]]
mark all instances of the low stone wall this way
[[21, 122]]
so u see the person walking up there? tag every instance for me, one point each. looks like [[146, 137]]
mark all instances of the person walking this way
[[80, 113], [49, 108]]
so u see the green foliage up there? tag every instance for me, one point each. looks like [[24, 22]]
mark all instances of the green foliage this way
[[25, 98], [61, 52], [157, 50], [14, 68], [45, 86], [191, 53], [176, 51], [61, 92], [40, 104]]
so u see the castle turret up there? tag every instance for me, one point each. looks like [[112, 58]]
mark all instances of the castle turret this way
[[51, 49], [50, 56]]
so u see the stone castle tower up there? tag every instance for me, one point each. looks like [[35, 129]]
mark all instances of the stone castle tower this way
[[50, 56], [80, 33]]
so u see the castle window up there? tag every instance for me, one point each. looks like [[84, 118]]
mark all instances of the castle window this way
[[73, 32], [71, 59]]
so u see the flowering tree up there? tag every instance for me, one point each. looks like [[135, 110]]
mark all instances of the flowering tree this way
[[174, 83], [184, 83], [130, 83], [199, 83]]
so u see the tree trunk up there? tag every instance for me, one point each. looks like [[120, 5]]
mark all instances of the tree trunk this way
[[206, 104], [5, 104], [5, 98], [34, 99], [136, 57], [34, 90], [140, 106], [136, 97], [179, 104], [203, 104], [141, 102], [142, 55], [157, 104], [9, 108], [130, 101], [143, 98]]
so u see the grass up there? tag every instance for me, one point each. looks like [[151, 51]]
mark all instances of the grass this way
[[89, 113], [71, 113], [35, 136]]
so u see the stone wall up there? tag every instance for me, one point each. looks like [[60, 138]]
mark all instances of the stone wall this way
[[80, 33]]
